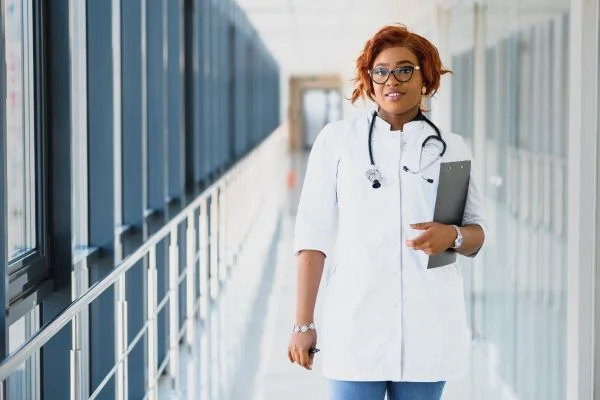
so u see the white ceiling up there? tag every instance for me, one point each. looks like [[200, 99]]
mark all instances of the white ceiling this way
[[325, 36]]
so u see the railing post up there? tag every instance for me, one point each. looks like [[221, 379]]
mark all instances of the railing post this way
[[215, 278], [190, 280], [223, 264], [224, 309], [75, 367], [205, 303], [121, 345], [174, 310], [214, 244], [79, 337], [215, 355], [191, 307], [204, 275], [152, 340]]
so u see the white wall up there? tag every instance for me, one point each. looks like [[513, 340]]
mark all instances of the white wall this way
[[583, 205]]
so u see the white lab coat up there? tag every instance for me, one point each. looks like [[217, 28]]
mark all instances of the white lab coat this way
[[385, 315]]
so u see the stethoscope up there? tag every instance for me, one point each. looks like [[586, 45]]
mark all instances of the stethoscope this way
[[374, 174]]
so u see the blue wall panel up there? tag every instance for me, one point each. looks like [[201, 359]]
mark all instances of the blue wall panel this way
[[175, 100], [133, 188], [101, 185], [156, 104]]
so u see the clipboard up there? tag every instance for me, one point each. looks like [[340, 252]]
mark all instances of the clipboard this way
[[451, 198]]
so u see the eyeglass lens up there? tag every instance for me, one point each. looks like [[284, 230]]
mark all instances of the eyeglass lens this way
[[402, 74]]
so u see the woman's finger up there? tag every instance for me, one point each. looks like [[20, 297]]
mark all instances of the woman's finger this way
[[290, 355], [296, 355], [304, 361]]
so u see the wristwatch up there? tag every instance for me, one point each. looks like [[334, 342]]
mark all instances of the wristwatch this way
[[459, 238], [304, 328]]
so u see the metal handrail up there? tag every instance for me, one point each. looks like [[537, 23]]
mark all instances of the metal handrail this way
[[47, 332]]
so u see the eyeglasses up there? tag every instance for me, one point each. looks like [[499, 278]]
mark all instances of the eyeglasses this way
[[402, 74]]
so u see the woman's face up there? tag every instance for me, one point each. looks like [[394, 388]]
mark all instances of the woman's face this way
[[395, 97]]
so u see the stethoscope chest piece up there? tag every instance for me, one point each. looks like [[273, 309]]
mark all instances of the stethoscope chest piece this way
[[374, 176]]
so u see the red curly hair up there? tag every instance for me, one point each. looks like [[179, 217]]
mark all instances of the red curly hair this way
[[398, 36]]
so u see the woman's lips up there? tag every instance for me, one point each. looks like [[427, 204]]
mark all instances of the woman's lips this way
[[394, 96]]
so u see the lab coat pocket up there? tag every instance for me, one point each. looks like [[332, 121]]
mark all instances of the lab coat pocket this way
[[452, 312], [458, 270]]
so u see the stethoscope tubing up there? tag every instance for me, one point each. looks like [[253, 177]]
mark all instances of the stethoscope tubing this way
[[373, 173]]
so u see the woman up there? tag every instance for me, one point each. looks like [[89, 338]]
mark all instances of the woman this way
[[390, 324]]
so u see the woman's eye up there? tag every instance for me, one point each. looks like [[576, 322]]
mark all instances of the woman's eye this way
[[381, 72], [405, 70]]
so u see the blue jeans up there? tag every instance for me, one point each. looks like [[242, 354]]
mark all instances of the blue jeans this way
[[344, 390]]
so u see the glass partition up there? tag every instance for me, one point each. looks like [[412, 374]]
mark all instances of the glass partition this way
[[517, 295]]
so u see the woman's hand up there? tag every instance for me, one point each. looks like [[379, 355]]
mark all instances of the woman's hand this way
[[299, 348], [435, 239]]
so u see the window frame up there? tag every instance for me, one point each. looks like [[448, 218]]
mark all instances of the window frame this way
[[28, 274], [3, 196]]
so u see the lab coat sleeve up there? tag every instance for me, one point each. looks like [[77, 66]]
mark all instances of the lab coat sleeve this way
[[317, 208], [474, 210]]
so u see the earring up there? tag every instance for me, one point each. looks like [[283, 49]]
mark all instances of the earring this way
[[423, 90]]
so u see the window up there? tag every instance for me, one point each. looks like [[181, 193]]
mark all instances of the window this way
[[20, 162], [24, 383], [23, 170]]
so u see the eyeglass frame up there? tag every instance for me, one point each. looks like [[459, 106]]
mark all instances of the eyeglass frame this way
[[391, 72]]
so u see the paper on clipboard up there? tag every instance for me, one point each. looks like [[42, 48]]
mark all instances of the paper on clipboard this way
[[451, 198]]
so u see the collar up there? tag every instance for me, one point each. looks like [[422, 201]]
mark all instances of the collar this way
[[381, 125]]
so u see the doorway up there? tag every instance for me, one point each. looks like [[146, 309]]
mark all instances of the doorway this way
[[319, 107], [314, 102]]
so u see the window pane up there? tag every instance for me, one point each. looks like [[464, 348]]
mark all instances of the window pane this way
[[22, 383], [517, 302], [19, 126]]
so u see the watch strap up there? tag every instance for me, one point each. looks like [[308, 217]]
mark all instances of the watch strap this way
[[458, 241]]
